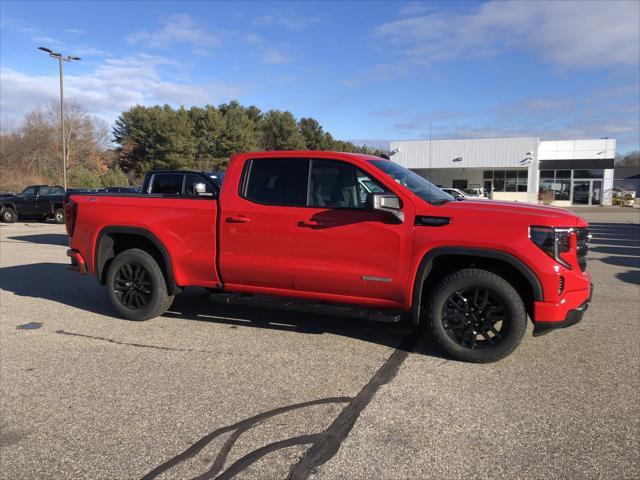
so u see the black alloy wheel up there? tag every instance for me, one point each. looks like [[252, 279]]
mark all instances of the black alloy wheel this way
[[475, 317], [136, 285], [133, 286]]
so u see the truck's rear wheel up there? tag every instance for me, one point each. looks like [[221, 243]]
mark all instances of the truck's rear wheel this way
[[477, 316], [9, 215], [136, 286]]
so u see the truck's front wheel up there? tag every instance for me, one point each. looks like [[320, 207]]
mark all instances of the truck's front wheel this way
[[477, 316], [136, 286]]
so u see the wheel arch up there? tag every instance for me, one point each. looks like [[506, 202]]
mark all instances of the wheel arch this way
[[115, 239], [465, 256]]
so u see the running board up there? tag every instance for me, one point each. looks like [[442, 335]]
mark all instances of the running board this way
[[298, 305]]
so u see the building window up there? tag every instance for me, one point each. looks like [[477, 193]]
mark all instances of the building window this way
[[596, 173], [507, 180], [523, 179], [559, 181]]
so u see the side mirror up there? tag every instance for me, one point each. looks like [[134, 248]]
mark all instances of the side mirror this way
[[201, 190], [385, 202]]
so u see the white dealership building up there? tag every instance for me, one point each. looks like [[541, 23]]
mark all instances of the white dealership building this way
[[579, 172]]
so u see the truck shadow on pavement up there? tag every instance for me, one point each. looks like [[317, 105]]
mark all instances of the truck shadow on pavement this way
[[44, 239], [621, 243], [54, 282], [193, 305]]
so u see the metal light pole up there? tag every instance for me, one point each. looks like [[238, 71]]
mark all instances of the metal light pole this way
[[60, 59]]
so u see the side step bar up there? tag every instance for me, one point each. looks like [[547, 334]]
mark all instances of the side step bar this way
[[298, 305]]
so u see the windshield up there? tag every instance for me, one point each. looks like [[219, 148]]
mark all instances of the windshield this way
[[413, 182]]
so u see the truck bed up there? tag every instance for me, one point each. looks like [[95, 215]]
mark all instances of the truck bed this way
[[186, 227]]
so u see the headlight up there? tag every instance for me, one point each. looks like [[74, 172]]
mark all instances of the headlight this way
[[553, 241]]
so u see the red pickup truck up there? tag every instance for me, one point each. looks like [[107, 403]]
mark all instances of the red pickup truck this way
[[341, 233]]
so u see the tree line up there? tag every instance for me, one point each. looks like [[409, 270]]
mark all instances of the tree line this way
[[32, 154], [203, 138], [148, 138]]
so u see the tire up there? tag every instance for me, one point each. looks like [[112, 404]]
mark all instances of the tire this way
[[9, 215], [485, 327], [58, 216], [135, 295]]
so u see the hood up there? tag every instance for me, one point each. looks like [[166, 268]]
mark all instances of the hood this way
[[533, 214]]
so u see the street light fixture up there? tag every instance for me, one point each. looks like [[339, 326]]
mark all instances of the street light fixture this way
[[61, 59]]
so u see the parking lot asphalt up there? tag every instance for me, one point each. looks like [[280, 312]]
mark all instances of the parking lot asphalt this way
[[214, 391]]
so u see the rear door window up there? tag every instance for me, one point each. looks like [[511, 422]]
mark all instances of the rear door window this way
[[167, 183], [276, 181]]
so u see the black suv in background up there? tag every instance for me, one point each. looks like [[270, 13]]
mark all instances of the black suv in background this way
[[35, 202]]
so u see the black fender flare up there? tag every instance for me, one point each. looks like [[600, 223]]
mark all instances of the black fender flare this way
[[104, 251], [427, 262]]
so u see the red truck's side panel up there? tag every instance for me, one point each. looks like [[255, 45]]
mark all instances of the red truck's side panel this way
[[185, 227]]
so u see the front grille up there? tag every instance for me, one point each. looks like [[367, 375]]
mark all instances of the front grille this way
[[582, 240]]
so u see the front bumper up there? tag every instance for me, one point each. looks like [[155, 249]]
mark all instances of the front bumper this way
[[571, 317]]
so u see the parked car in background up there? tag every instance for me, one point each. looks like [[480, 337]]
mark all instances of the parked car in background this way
[[474, 192], [293, 229], [34, 202], [455, 193], [460, 194]]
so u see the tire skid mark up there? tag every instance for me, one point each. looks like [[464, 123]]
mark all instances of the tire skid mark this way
[[324, 445], [332, 438], [239, 428], [127, 344]]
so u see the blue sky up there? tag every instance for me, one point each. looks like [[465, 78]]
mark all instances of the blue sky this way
[[373, 71]]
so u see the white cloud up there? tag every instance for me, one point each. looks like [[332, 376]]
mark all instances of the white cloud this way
[[75, 31], [272, 56], [46, 41], [254, 39], [592, 34], [90, 51], [591, 115], [177, 29], [114, 86], [288, 22], [413, 8]]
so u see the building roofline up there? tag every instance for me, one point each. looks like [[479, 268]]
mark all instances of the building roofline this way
[[466, 139]]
